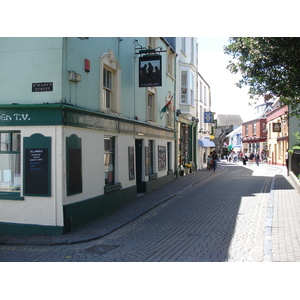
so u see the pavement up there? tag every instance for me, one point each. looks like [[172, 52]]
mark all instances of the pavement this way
[[118, 218], [283, 208]]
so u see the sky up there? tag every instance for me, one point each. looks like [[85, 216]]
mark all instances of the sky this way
[[226, 97]]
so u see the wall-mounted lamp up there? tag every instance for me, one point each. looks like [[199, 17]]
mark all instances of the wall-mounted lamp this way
[[178, 112], [83, 38]]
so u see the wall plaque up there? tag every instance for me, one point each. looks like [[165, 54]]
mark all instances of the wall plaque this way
[[42, 87]]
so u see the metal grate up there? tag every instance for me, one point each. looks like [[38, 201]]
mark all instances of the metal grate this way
[[100, 249]]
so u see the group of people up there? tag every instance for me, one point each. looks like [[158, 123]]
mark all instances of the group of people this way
[[250, 158], [245, 157], [234, 157], [212, 160]]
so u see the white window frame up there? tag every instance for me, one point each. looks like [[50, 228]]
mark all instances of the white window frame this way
[[151, 117], [189, 88], [170, 63], [109, 62]]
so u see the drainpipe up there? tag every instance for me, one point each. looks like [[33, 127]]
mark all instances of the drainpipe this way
[[175, 123]]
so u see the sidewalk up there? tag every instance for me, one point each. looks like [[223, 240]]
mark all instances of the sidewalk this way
[[120, 217]]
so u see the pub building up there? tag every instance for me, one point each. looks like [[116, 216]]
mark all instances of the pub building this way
[[79, 137]]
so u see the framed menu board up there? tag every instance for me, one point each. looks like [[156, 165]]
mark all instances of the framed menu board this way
[[162, 162], [37, 166]]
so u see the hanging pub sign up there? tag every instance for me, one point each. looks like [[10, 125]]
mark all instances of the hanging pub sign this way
[[150, 71], [276, 127], [208, 117]]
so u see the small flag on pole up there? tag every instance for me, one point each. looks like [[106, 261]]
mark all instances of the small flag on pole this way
[[164, 109]]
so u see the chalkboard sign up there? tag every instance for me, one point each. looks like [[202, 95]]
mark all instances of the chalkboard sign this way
[[162, 162], [36, 172]]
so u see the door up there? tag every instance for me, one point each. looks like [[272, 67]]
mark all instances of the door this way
[[138, 164]]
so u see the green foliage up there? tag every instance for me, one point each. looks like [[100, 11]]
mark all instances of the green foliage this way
[[268, 65], [297, 146]]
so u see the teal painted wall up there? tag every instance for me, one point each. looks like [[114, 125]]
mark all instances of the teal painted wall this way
[[28, 60], [24, 61], [86, 93]]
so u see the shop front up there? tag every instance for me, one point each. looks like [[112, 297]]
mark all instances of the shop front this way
[[61, 166]]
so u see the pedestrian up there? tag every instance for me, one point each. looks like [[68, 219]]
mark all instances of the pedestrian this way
[[244, 159], [257, 158], [209, 162], [214, 157], [251, 158], [287, 162]]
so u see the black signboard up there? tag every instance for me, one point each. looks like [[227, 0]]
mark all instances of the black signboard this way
[[162, 162], [74, 182], [150, 71], [36, 172], [276, 127], [74, 165], [42, 87]]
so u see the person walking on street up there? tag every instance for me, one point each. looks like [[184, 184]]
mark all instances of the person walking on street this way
[[257, 158], [244, 158], [287, 162], [209, 163], [214, 157]]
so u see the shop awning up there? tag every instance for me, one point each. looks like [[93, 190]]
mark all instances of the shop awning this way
[[206, 143]]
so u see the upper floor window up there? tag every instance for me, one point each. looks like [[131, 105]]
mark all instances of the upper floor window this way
[[201, 91], [187, 87], [107, 87], [170, 63], [151, 107], [184, 87], [254, 128], [110, 82], [192, 50], [183, 45]]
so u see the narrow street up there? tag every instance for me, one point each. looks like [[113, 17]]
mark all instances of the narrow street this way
[[231, 216]]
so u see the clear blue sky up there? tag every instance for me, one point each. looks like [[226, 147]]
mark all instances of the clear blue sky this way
[[226, 97]]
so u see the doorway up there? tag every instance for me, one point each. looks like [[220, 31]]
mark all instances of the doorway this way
[[139, 165]]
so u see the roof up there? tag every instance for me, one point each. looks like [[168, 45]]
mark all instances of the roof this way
[[227, 120], [235, 132]]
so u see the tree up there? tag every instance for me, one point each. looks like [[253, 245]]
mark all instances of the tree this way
[[268, 65]]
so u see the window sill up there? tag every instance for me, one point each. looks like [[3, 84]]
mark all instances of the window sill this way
[[11, 196], [112, 188], [153, 176]]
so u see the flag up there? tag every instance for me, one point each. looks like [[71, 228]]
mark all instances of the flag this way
[[164, 109]]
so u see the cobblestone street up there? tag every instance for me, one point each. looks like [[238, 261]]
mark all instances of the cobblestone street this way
[[222, 218]]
